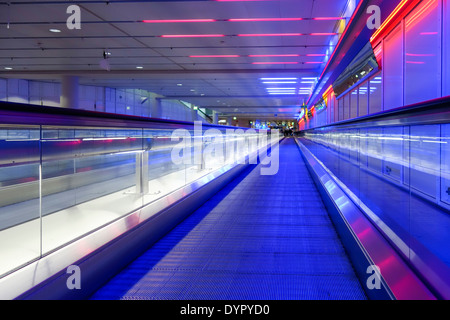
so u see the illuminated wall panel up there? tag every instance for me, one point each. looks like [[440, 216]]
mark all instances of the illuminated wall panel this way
[[393, 69]]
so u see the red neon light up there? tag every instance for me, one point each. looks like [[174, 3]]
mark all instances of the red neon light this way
[[316, 55], [427, 33], [415, 62], [178, 20], [269, 34], [323, 34], [216, 56], [313, 62], [328, 18], [273, 55], [191, 35], [292, 62]]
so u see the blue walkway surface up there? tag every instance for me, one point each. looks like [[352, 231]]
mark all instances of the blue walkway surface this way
[[261, 237]]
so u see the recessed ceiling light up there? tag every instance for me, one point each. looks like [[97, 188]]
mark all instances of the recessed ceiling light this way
[[54, 30], [269, 79], [139, 67], [192, 90], [8, 68], [179, 84]]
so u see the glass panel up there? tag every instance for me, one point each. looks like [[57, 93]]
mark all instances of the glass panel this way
[[19, 196], [88, 179], [330, 109], [392, 152], [166, 171], [412, 217], [362, 99], [423, 53], [347, 106], [446, 42], [375, 97], [393, 69], [374, 149], [445, 164]]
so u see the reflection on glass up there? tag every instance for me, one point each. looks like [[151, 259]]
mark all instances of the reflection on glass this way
[[374, 91], [362, 99], [58, 184], [393, 69]]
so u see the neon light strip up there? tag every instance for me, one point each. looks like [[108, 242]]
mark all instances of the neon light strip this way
[[339, 42], [254, 56], [279, 82], [420, 13], [269, 34], [324, 34], [279, 79], [241, 20], [245, 35], [281, 88]]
